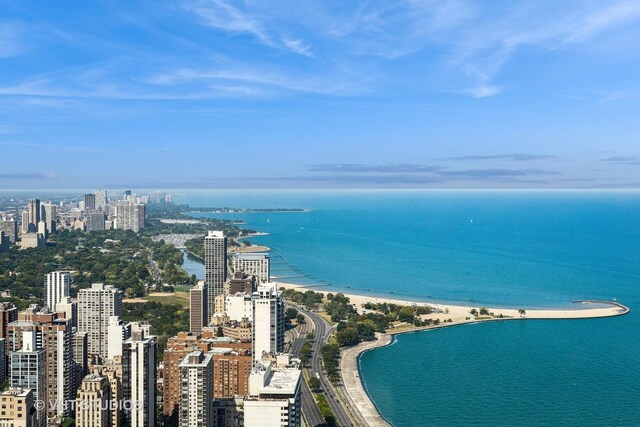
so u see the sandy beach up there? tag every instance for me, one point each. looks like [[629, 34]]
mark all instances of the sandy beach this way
[[459, 315]]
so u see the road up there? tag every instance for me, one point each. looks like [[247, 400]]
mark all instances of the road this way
[[154, 270], [322, 331], [310, 410]]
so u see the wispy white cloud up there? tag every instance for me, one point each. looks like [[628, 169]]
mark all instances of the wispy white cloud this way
[[11, 39], [601, 20], [298, 46], [224, 16], [256, 81]]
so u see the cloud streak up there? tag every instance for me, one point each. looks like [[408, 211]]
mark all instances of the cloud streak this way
[[622, 160], [516, 157], [27, 176]]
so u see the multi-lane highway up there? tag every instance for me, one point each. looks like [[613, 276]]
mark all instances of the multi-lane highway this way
[[310, 410], [322, 331]]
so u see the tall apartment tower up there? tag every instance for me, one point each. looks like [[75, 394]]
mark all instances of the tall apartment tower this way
[[177, 349], [139, 378], [130, 216], [215, 268], [274, 395], [94, 394], [57, 286], [68, 309], [52, 334], [80, 357], [89, 202], [198, 307], [95, 306], [34, 214], [10, 228], [8, 314], [255, 264], [196, 390], [49, 216], [94, 221], [118, 333], [28, 371], [24, 222], [268, 321], [101, 200]]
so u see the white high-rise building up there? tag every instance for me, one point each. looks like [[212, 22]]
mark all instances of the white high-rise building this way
[[96, 305], [239, 306], [57, 286], [215, 268], [196, 390], [268, 320], [117, 333], [254, 264], [274, 394], [139, 378]]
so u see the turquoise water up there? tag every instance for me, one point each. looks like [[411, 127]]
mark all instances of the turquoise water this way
[[522, 249]]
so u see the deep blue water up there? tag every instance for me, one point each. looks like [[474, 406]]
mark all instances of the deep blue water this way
[[524, 249]]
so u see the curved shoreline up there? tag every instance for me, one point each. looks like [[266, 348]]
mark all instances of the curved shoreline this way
[[350, 357]]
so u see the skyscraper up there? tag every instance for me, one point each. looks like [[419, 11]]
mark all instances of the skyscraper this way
[[101, 200], [118, 333], [10, 228], [129, 216], [268, 320], [94, 221], [89, 202], [68, 309], [28, 371], [24, 222], [198, 307], [94, 394], [274, 394], [52, 334], [215, 268], [34, 214], [95, 306], [8, 314], [139, 378], [196, 390], [49, 216], [57, 286]]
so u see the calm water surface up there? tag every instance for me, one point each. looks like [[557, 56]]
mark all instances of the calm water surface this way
[[521, 249]]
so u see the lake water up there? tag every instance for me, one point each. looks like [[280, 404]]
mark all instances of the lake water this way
[[522, 249]]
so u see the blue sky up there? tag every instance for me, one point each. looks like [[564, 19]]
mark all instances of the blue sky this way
[[320, 94]]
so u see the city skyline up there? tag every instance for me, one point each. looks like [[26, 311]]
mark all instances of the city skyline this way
[[430, 94]]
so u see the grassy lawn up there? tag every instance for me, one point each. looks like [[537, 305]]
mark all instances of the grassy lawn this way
[[175, 298]]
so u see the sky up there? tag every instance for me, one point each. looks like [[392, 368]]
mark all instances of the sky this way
[[320, 94]]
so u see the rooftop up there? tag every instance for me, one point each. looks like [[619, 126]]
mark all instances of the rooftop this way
[[282, 381]]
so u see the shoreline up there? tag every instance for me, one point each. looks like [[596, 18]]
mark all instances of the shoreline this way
[[356, 391]]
